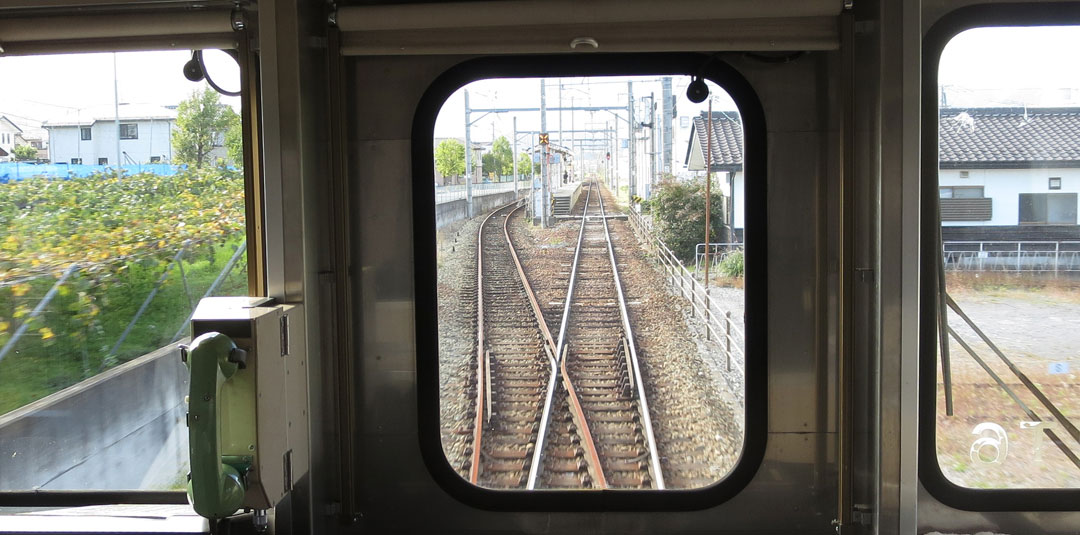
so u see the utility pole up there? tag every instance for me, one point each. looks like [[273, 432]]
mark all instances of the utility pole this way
[[708, 200], [573, 136], [543, 156], [468, 160], [615, 158], [652, 141], [668, 121], [630, 140], [561, 140], [116, 110], [514, 156]]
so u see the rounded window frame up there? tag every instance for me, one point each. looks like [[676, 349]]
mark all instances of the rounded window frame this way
[[427, 345], [931, 476]]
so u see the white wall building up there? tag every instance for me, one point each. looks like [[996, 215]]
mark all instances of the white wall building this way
[[1009, 173], [8, 134], [727, 160], [89, 136], [1006, 174]]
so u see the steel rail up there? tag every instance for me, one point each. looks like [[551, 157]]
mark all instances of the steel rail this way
[[478, 423], [583, 425], [586, 434], [534, 471], [643, 404], [483, 355]]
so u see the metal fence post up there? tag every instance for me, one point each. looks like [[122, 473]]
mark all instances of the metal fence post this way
[[727, 337]]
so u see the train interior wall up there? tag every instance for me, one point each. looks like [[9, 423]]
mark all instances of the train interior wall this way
[[795, 489]]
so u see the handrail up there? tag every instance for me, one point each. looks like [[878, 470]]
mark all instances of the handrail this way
[[718, 326]]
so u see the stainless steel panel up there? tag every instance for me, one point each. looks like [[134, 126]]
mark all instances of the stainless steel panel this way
[[795, 490], [788, 496], [795, 264], [898, 264], [933, 516], [553, 12]]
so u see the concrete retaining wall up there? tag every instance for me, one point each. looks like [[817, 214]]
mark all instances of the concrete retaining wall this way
[[451, 211], [123, 429]]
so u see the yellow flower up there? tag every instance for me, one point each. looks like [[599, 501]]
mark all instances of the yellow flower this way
[[46, 333]]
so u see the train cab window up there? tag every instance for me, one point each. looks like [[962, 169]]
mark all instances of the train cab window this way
[[1001, 390], [101, 265], [589, 335]]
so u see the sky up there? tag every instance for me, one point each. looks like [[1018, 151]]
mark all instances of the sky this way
[[1033, 66], [40, 87], [592, 91], [980, 67]]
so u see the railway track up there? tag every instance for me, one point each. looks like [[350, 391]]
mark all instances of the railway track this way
[[513, 362], [565, 414], [598, 366]]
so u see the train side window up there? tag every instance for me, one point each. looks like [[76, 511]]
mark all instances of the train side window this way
[[579, 344], [101, 265], [1000, 377]]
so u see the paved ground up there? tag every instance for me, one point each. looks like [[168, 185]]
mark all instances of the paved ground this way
[[1039, 331]]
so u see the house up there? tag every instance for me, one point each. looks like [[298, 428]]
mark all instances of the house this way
[[726, 166], [90, 135], [1005, 174], [9, 133], [1009, 174]]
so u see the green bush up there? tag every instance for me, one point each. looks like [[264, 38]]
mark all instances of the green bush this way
[[678, 210], [732, 264], [123, 233]]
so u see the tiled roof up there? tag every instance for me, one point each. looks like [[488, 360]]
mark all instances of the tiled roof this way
[[727, 139], [127, 112], [1009, 137]]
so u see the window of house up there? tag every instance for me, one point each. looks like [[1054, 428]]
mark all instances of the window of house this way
[[129, 131], [93, 307], [85, 133], [961, 192], [553, 347], [1048, 208], [1000, 299]]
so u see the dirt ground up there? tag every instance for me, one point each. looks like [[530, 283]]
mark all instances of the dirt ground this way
[[1038, 330]]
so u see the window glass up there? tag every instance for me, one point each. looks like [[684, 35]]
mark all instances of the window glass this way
[[102, 262], [1009, 374], [129, 131], [552, 379]]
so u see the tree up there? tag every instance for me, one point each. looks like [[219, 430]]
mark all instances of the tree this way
[[24, 152], [200, 121], [234, 140], [489, 164], [678, 209], [450, 158], [504, 157], [524, 162]]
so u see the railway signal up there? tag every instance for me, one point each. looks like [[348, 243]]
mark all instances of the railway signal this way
[[544, 140]]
